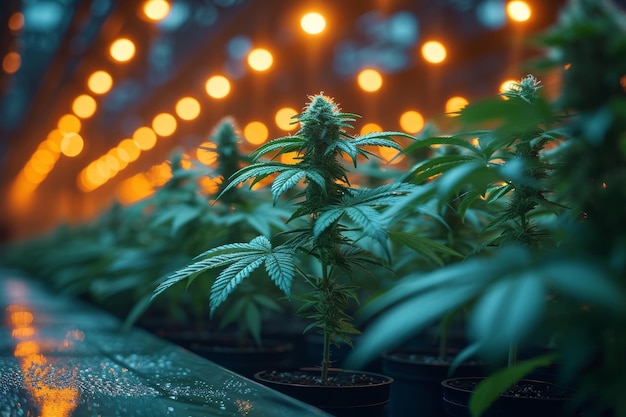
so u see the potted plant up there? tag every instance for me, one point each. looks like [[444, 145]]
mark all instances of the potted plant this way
[[187, 211], [321, 256], [571, 288]]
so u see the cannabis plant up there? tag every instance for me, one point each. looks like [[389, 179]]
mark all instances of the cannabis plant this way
[[193, 219], [335, 217], [561, 280]]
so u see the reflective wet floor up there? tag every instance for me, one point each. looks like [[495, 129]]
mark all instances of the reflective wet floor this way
[[60, 357]]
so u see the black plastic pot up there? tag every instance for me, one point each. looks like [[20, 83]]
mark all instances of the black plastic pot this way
[[368, 400], [456, 393], [226, 350], [417, 386]]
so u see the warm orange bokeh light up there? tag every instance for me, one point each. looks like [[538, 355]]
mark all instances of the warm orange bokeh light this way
[[72, 144], [313, 23], [16, 22], [164, 124], [188, 108], [284, 118], [69, 123], [144, 138], [290, 158], [506, 86], [84, 106], [156, 9], [370, 80], [206, 153], [518, 11], [128, 149], [455, 104], [217, 86], [260, 59], [11, 62], [100, 82], [411, 121], [255, 132], [434, 52], [370, 128], [122, 50]]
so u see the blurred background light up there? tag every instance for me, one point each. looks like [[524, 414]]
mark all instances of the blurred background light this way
[[411, 121], [284, 118], [144, 138], [455, 104], [72, 144], [370, 80], [255, 132], [260, 59], [100, 82], [84, 106], [122, 50], [518, 11], [156, 9], [434, 52], [69, 123], [313, 23], [164, 124], [188, 108], [217, 86]]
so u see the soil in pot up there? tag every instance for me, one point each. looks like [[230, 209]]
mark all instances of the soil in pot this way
[[418, 375], [528, 398], [345, 394]]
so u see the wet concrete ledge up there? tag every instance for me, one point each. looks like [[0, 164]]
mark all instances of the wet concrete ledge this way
[[61, 357]]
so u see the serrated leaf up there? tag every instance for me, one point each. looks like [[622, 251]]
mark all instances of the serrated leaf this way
[[369, 221], [285, 181], [281, 269], [231, 277], [255, 172], [283, 144], [325, 220]]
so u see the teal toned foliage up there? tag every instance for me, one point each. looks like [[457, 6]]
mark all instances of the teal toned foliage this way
[[551, 269], [329, 218]]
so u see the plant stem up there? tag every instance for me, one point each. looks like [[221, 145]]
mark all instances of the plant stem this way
[[512, 360], [326, 332]]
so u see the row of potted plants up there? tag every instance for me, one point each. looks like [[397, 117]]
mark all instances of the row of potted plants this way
[[503, 240]]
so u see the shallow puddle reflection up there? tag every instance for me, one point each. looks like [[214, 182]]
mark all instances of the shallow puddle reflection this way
[[61, 358]]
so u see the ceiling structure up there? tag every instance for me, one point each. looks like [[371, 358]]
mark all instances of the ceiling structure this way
[[51, 47]]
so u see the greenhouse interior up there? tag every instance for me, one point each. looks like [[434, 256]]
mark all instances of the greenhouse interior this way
[[372, 208]]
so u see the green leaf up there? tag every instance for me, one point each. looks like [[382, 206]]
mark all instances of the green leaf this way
[[281, 268], [283, 144], [326, 220], [285, 181], [407, 319], [370, 222], [424, 245], [252, 317], [457, 140], [584, 281], [492, 387], [435, 166], [256, 173], [509, 309], [231, 277], [473, 173]]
